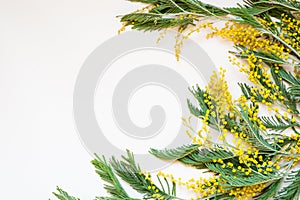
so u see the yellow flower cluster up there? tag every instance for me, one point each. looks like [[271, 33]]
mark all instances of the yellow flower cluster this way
[[290, 31], [245, 35], [218, 91], [202, 187], [244, 193], [217, 88], [180, 37], [152, 188], [295, 150]]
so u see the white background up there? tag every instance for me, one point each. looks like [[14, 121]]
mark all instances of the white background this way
[[43, 44]]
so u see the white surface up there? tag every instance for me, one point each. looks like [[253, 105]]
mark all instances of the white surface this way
[[42, 47]]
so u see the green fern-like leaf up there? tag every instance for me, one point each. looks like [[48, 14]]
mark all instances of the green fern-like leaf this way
[[207, 155], [295, 91], [115, 198], [278, 124], [105, 171], [62, 195], [130, 172], [255, 131], [193, 155], [175, 154], [292, 191]]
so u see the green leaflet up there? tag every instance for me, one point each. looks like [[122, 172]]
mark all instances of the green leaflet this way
[[193, 155], [254, 131], [207, 155], [129, 171], [277, 124], [175, 154], [292, 191], [295, 91], [62, 195], [105, 171]]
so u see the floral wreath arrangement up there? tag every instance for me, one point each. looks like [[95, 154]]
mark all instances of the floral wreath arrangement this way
[[257, 149]]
